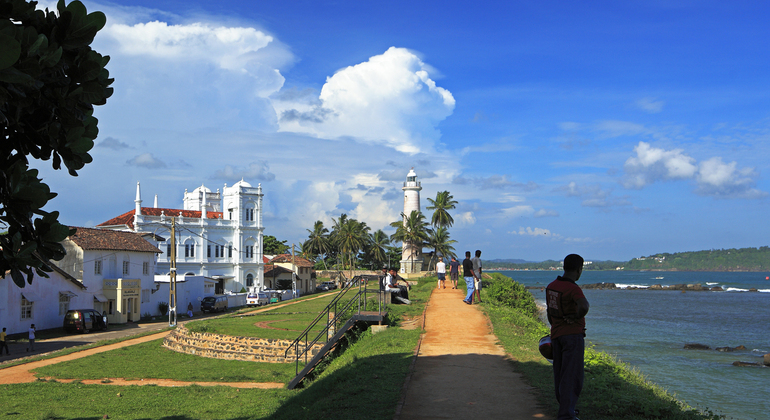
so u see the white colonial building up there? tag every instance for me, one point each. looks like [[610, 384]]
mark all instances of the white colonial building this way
[[218, 236]]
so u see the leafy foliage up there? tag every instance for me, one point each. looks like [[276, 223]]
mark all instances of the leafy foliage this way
[[272, 246], [50, 80], [504, 291], [743, 259]]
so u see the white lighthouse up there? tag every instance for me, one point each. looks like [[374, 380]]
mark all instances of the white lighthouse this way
[[411, 255]]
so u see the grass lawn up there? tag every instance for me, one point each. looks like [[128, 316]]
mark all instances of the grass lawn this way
[[363, 381]]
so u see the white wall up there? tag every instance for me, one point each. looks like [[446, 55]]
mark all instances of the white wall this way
[[45, 309]]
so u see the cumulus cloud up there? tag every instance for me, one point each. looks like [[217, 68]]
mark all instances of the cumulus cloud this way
[[465, 219], [389, 99], [112, 143], [721, 179], [653, 164], [712, 177], [146, 160], [259, 170]]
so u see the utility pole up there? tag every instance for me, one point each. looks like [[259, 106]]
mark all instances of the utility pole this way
[[172, 280]]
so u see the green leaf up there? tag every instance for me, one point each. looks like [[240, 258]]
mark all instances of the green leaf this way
[[10, 51]]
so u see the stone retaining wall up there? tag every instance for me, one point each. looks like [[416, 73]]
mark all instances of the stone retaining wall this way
[[218, 346]]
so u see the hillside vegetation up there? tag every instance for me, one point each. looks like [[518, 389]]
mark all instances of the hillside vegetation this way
[[740, 259]]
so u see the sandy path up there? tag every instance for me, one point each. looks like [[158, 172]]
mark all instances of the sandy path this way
[[461, 372]]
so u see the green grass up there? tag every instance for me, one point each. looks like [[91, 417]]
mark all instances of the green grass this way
[[612, 389], [363, 381], [151, 360]]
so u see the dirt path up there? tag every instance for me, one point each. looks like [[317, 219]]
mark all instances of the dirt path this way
[[25, 372], [461, 372]]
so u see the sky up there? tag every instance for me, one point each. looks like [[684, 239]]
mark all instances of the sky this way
[[609, 129]]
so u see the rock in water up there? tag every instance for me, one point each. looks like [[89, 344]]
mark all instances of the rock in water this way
[[696, 346], [766, 359]]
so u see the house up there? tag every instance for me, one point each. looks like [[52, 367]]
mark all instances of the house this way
[[43, 303], [117, 268], [302, 267], [218, 235]]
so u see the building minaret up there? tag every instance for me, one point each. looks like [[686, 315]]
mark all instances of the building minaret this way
[[411, 255], [138, 206]]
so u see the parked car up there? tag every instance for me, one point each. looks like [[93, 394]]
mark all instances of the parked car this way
[[257, 299], [84, 320], [214, 304], [327, 285]]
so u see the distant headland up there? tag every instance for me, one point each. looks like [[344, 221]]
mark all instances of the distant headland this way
[[734, 259]]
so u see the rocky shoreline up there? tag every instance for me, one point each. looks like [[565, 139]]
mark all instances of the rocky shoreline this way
[[681, 287]]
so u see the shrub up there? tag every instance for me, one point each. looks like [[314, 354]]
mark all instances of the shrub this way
[[163, 308], [505, 291]]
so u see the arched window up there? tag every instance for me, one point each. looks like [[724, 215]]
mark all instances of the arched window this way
[[250, 280]]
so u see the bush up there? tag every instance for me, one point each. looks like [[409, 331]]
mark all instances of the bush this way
[[504, 291], [163, 308]]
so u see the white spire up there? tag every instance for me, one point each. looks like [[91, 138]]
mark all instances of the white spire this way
[[155, 205], [138, 200]]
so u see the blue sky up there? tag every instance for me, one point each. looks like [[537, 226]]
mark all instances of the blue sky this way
[[610, 129]]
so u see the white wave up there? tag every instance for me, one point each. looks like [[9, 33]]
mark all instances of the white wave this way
[[711, 283], [735, 289], [625, 286]]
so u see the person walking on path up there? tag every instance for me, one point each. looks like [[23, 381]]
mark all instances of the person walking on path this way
[[3, 343], [469, 277], [567, 308], [477, 275], [31, 338], [441, 272], [454, 271]]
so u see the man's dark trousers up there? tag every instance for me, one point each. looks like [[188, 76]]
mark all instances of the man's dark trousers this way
[[568, 351]]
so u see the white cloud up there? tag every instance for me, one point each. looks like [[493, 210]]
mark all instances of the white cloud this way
[[517, 211], [713, 176], [146, 160], [652, 164], [529, 231], [546, 213], [388, 100], [650, 105], [465, 219], [726, 180]]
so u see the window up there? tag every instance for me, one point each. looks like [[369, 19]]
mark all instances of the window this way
[[249, 215], [208, 251], [26, 308], [230, 212], [250, 280], [250, 251], [126, 268], [111, 309], [189, 250], [230, 251], [98, 267], [145, 295], [64, 304], [168, 250], [145, 268]]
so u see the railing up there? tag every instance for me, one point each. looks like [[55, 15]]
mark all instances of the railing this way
[[338, 308]]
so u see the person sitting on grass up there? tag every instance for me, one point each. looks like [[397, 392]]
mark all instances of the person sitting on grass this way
[[400, 293]]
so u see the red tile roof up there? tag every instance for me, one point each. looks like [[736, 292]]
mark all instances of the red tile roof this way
[[127, 219], [112, 240], [286, 258]]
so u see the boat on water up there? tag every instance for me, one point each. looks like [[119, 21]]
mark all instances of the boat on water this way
[[659, 278]]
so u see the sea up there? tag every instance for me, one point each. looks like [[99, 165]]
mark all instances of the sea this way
[[648, 330]]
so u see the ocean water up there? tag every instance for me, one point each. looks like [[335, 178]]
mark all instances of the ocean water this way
[[649, 328]]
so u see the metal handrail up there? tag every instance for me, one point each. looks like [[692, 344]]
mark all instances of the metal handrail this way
[[359, 298]]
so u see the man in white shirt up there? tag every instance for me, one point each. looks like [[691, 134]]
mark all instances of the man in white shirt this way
[[400, 293], [441, 272]]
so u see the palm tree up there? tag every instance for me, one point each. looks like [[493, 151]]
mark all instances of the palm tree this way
[[441, 206], [351, 237], [440, 242], [318, 241], [412, 231], [377, 243]]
